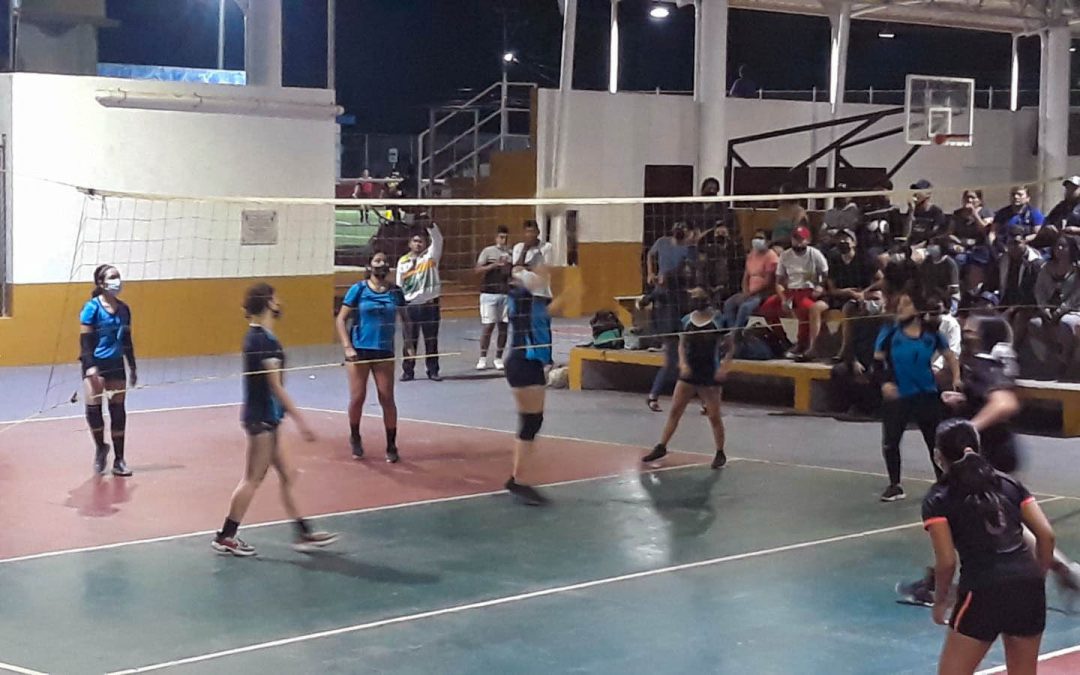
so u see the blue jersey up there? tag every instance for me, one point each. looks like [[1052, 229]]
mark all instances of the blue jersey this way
[[374, 314], [531, 326], [262, 351], [910, 358], [109, 327]]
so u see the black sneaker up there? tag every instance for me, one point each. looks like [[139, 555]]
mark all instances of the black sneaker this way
[[407, 377], [357, 447], [893, 493], [392, 454], [658, 453], [720, 460], [434, 377], [101, 455], [525, 494], [120, 467]]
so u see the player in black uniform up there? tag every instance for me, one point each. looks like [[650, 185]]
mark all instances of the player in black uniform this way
[[981, 514], [265, 404], [701, 371]]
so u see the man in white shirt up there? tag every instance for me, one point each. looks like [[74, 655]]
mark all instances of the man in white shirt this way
[[800, 276], [532, 252], [418, 277]]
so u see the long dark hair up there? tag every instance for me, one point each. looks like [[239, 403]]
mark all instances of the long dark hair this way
[[969, 476], [99, 279]]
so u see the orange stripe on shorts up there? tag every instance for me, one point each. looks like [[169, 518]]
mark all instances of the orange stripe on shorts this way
[[963, 610]]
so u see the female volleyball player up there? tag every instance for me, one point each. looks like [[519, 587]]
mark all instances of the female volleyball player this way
[[265, 404], [980, 514], [104, 343], [365, 326], [701, 371]]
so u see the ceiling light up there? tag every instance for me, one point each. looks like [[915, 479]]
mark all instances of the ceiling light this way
[[660, 12]]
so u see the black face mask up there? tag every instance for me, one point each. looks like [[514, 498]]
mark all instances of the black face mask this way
[[798, 248], [380, 271], [679, 235], [699, 304], [843, 247]]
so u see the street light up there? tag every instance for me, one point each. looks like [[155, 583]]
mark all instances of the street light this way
[[660, 11]]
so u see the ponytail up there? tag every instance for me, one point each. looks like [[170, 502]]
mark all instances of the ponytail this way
[[969, 476]]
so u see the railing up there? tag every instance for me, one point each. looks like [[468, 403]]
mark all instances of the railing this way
[[458, 141]]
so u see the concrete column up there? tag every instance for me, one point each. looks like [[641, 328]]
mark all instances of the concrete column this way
[[1014, 76], [566, 85], [613, 50], [262, 42], [1053, 111], [711, 88], [840, 24]]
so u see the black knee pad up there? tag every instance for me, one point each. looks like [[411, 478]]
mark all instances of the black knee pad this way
[[529, 425], [94, 417], [117, 416]]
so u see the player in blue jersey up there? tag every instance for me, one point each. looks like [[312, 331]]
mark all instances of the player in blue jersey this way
[[365, 326], [104, 343], [265, 404]]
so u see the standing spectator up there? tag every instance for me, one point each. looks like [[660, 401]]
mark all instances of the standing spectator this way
[[881, 222], [758, 281], [365, 187], [534, 253], [925, 220], [844, 215], [1019, 213], [744, 86], [1017, 271], [971, 222], [418, 278], [850, 273], [851, 389], [1057, 292], [494, 265], [939, 274], [938, 318], [799, 278], [710, 214], [720, 264], [669, 264], [789, 215], [1065, 217]]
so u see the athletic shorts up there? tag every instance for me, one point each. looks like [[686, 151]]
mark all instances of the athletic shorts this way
[[522, 372], [1002, 451], [700, 381], [110, 369], [256, 428], [373, 355], [494, 308], [1015, 607]]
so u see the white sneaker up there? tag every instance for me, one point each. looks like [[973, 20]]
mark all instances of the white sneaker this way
[[499, 364], [482, 364]]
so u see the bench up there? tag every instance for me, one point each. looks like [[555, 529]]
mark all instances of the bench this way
[[586, 365]]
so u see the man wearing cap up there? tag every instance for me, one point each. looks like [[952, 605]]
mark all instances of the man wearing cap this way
[[925, 220], [1065, 217], [799, 279]]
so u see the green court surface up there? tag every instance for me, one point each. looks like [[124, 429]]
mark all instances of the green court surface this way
[[759, 568]]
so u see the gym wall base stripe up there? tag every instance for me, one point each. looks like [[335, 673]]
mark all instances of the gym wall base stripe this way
[[183, 317], [604, 270]]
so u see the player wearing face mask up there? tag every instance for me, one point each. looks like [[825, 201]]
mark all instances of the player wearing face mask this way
[[365, 326], [759, 279], [104, 343]]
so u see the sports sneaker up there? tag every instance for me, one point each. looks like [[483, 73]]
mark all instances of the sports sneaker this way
[[893, 493], [920, 592], [357, 447], [720, 460], [499, 365], [658, 453], [120, 468], [526, 494], [392, 454], [101, 455], [232, 546], [482, 364], [313, 540]]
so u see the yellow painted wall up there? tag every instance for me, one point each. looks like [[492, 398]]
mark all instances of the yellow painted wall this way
[[170, 318], [604, 270]]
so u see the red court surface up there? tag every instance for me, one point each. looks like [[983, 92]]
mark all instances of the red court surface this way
[[187, 462]]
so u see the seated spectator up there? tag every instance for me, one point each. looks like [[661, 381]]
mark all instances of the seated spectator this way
[[744, 86], [789, 215], [1017, 271], [850, 273], [899, 274], [939, 274], [882, 221], [758, 282], [720, 263], [1020, 213], [938, 318], [1057, 292], [799, 278], [851, 389], [1065, 217], [925, 220], [975, 293], [971, 222], [844, 215]]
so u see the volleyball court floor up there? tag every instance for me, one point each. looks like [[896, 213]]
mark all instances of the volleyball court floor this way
[[783, 562]]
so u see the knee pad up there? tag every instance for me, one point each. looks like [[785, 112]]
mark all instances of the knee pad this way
[[117, 416], [94, 417], [529, 425]]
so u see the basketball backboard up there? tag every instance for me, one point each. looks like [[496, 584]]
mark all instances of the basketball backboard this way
[[939, 110]]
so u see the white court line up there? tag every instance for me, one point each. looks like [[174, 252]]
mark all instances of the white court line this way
[[37, 420], [517, 598], [7, 667], [336, 514], [1042, 657]]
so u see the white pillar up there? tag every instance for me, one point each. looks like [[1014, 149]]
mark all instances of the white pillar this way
[[331, 44], [1053, 111], [613, 50], [566, 85], [262, 42], [840, 23], [1014, 76], [711, 88]]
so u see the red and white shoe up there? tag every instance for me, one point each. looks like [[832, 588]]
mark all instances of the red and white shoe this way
[[232, 546]]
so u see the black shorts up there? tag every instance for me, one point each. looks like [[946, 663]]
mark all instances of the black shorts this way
[[522, 372], [110, 369], [373, 355], [256, 428], [700, 381], [1002, 451], [1015, 607]]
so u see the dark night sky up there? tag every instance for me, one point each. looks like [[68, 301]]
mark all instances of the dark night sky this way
[[397, 56]]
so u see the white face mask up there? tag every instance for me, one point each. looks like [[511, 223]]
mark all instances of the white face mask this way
[[759, 244], [114, 286]]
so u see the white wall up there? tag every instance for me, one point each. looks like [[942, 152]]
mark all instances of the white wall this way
[[613, 136], [62, 137]]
